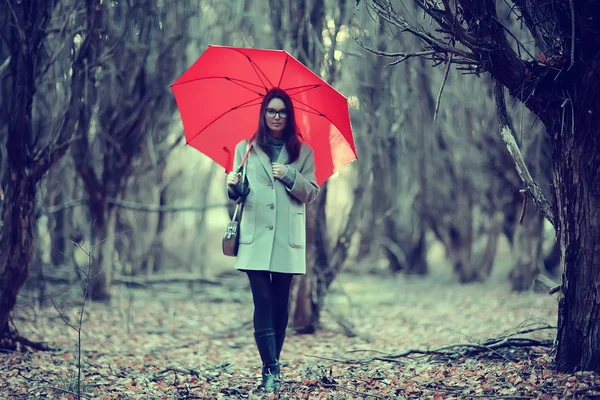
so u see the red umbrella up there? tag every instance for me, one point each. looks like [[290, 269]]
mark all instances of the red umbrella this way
[[219, 99]]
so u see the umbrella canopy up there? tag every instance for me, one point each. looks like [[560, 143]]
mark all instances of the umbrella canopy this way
[[219, 99]]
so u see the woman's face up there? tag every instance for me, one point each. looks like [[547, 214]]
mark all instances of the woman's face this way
[[276, 115]]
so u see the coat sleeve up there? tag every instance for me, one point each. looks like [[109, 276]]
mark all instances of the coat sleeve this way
[[305, 187], [237, 159]]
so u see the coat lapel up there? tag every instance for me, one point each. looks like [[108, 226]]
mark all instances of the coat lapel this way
[[264, 160]]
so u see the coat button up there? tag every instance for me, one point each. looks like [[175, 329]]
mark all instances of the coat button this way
[[272, 206], [270, 227], [271, 185]]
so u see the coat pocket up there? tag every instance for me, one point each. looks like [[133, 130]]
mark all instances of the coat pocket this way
[[297, 229], [248, 223]]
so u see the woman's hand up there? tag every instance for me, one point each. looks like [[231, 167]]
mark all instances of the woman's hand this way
[[233, 178], [279, 170]]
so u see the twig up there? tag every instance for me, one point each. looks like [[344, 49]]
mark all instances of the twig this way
[[132, 206], [572, 35], [367, 350], [439, 98], [85, 295], [514, 37], [455, 349], [489, 396], [554, 289], [587, 389], [4, 66], [66, 391], [189, 371], [523, 209], [468, 58], [162, 279], [476, 346], [352, 390], [334, 359], [62, 316]]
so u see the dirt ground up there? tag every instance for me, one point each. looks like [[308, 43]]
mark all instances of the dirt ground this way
[[173, 342]]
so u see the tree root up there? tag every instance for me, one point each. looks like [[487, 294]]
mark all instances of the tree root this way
[[508, 346], [12, 341]]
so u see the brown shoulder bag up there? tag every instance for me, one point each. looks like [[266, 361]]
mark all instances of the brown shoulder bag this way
[[231, 238]]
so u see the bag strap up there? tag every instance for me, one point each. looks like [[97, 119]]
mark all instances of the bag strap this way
[[244, 165], [244, 161]]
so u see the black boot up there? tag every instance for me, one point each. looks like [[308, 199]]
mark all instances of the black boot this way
[[279, 339], [265, 341]]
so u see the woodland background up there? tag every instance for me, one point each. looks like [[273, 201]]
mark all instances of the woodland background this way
[[124, 210]]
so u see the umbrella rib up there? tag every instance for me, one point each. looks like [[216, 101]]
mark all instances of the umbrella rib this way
[[243, 105], [232, 80], [256, 67], [316, 112], [283, 70], [236, 81], [246, 105], [312, 108], [305, 87], [308, 111]]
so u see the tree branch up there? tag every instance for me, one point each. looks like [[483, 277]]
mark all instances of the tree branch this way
[[4, 67], [531, 187], [439, 98], [130, 205], [457, 350]]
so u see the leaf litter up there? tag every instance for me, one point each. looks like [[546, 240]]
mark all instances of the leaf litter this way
[[381, 338]]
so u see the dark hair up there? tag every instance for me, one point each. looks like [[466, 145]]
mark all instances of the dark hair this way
[[291, 136]]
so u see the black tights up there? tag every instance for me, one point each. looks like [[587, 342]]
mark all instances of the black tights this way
[[271, 295]]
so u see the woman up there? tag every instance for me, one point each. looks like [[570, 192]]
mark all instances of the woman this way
[[281, 177]]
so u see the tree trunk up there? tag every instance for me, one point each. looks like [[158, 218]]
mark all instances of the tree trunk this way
[[16, 240], [302, 318], [392, 245], [157, 257], [307, 19], [197, 255], [306, 304], [461, 240], [577, 190], [58, 236], [385, 208], [488, 256], [102, 252], [366, 228], [417, 258], [16, 236]]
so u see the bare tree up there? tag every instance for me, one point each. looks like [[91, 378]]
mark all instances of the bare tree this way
[[36, 33], [298, 27], [559, 85], [129, 90], [389, 160]]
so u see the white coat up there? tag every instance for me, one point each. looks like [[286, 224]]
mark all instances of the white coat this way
[[273, 224]]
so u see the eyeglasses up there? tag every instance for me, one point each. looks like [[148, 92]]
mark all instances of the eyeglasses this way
[[271, 113]]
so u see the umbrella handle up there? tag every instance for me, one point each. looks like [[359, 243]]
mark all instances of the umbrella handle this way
[[240, 189], [243, 192]]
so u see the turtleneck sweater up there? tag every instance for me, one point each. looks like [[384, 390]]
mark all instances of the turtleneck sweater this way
[[290, 176], [277, 144]]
